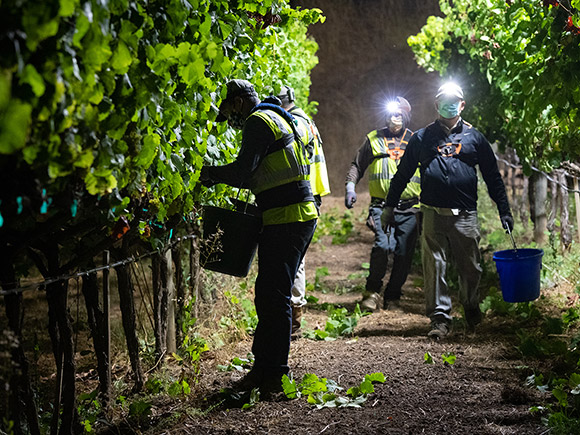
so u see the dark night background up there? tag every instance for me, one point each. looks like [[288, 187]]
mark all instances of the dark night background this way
[[364, 59]]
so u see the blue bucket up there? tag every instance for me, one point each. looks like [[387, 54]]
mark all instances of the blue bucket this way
[[519, 273]]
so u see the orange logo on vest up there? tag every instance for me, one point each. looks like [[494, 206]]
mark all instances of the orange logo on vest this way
[[449, 149], [395, 153]]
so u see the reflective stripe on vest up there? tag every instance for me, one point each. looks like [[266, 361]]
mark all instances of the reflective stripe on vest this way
[[284, 163], [387, 154], [300, 212], [310, 135]]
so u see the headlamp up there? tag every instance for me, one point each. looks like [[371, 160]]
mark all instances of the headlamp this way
[[450, 89], [393, 107]]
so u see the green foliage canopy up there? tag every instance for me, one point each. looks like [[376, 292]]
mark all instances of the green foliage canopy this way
[[519, 62], [106, 107]]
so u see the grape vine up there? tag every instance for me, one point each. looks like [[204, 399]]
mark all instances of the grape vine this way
[[519, 62], [107, 113], [107, 109]]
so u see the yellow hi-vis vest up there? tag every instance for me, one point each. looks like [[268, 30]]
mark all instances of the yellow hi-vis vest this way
[[276, 180], [311, 139], [387, 153]]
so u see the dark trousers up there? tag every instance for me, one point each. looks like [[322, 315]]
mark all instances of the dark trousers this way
[[399, 240], [280, 251]]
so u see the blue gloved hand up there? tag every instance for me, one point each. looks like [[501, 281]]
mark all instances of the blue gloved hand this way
[[507, 222], [349, 198]]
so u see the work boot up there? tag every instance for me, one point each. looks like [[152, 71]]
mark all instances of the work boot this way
[[370, 301], [392, 304], [252, 379], [473, 317], [271, 384], [296, 318], [439, 330], [267, 383]]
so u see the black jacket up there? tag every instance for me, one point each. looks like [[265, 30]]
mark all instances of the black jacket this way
[[448, 162]]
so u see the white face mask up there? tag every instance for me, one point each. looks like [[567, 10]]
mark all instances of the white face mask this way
[[395, 123], [396, 120]]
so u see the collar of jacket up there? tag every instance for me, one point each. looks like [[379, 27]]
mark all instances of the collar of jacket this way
[[277, 109], [455, 129], [385, 132]]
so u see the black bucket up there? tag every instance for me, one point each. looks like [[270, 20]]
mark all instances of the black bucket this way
[[233, 251]]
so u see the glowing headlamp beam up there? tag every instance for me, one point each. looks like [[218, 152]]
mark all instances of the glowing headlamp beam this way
[[392, 107]]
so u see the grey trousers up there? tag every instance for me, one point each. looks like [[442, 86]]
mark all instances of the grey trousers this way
[[446, 239]]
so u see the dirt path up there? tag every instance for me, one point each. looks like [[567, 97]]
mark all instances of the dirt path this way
[[481, 393]]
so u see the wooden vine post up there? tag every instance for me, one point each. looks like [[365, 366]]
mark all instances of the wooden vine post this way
[[577, 202], [68, 188], [574, 171], [106, 389], [538, 196]]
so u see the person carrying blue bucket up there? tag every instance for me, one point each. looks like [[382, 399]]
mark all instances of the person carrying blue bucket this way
[[447, 152]]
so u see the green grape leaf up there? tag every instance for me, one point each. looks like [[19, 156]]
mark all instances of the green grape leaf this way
[[31, 77], [14, 127], [148, 151], [121, 58]]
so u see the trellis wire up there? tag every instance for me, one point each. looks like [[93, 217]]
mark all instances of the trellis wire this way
[[133, 259], [499, 159], [39, 285]]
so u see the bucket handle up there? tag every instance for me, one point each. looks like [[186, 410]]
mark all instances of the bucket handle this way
[[512, 237], [247, 197]]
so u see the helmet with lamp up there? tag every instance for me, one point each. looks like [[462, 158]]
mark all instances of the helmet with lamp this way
[[398, 111], [286, 94], [449, 100], [450, 89]]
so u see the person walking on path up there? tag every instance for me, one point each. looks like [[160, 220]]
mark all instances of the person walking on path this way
[[273, 164], [318, 181], [381, 152], [447, 152]]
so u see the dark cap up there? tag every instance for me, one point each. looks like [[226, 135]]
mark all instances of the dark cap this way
[[236, 88]]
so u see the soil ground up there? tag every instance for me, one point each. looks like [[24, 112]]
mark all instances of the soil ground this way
[[482, 393]]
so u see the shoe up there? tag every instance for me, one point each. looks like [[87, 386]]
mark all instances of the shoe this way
[[251, 380], [271, 384], [370, 301], [439, 330], [266, 383], [296, 318], [392, 304], [473, 317]]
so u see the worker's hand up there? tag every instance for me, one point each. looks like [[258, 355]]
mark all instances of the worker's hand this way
[[204, 177], [507, 222], [387, 217], [371, 223], [349, 198]]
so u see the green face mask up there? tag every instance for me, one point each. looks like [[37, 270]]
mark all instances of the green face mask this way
[[449, 109]]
